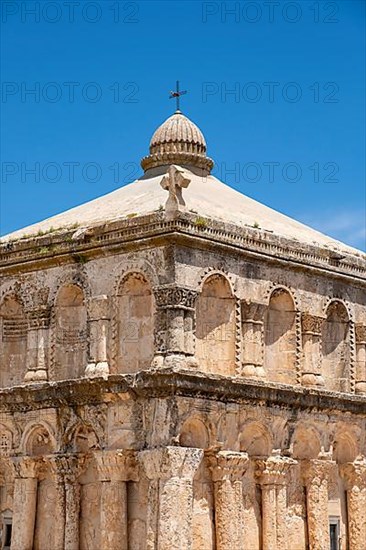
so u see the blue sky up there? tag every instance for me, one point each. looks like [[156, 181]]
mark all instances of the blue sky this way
[[276, 87]]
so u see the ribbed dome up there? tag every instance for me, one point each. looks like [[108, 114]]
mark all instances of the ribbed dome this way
[[177, 141], [178, 128]]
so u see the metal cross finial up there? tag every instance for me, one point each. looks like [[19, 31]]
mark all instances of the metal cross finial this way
[[176, 94]]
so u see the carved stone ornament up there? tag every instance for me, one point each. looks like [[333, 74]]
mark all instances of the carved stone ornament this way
[[174, 181], [311, 323], [171, 297], [360, 332]]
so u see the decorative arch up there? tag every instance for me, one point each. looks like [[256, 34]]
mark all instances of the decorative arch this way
[[255, 439], [280, 335], [216, 326], [345, 447], [13, 340], [135, 311], [38, 440], [194, 433], [306, 442], [336, 347], [70, 332]]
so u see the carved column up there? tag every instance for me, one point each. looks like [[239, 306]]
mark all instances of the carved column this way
[[252, 315], [228, 469], [312, 355], [37, 344], [70, 467], [170, 500], [59, 505], [115, 468], [272, 475], [360, 331], [354, 475], [99, 322], [316, 478], [25, 502], [174, 326]]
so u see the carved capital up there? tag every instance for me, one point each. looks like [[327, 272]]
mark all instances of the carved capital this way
[[175, 297], [316, 471], [171, 462], [354, 474], [311, 324], [39, 317], [360, 333], [70, 467], [252, 312], [26, 466], [274, 470], [116, 465], [227, 465], [99, 308]]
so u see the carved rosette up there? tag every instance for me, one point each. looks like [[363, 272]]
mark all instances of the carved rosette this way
[[174, 326]]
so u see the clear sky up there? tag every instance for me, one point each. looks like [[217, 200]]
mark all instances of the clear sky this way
[[276, 87]]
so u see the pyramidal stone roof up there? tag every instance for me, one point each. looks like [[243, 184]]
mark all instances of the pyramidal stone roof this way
[[177, 181]]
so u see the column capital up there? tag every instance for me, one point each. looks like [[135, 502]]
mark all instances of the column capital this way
[[252, 312], [70, 467], [174, 296], [354, 473], [360, 333], [227, 464], [170, 462], [273, 470], [27, 466], [116, 465], [39, 317], [99, 307], [316, 471], [311, 324]]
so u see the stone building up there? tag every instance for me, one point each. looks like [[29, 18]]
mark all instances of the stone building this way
[[181, 368]]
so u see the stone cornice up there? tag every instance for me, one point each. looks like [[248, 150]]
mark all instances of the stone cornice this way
[[51, 249], [169, 382]]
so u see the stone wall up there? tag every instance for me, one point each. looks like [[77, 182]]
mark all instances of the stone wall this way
[[160, 306], [163, 465]]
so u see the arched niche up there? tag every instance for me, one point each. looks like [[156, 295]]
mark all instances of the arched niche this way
[[39, 441], [256, 440], [136, 309], [194, 434], [306, 443], [71, 340], [280, 338], [13, 341], [335, 348], [345, 448], [215, 326]]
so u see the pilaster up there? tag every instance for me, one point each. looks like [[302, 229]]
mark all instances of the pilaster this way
[[354, 475], [360, 333], [227, 469], [170, 500], [252, 315], [99, 324], [311, 326], [316, 475]]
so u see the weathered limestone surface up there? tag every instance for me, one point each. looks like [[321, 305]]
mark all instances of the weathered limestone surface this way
[[181, 368]]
